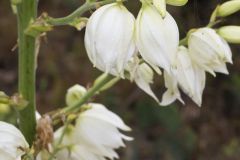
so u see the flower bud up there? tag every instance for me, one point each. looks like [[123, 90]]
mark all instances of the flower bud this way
[[230, 33], [109, 38], [228, 8], [209, 50], [177, 2], [74, 94], [4, 108], [157, 37]]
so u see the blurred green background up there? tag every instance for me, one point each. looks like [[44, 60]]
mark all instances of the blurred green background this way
[[175, 132]]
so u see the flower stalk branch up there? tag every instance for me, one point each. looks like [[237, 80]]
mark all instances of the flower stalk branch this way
[[102, 82], [77, 13]]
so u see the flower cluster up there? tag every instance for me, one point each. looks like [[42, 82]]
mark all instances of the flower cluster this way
[[126, 47], [94, 136]]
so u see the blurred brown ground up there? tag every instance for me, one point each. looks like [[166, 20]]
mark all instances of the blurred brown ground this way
[[161, 133]]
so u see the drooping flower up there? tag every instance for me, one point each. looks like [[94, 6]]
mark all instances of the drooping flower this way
[[142, 74], [209, 50], [12, 142], [95, 135], [109, 38], [188, 76], [172, 93], [191, 77], [157, 37]]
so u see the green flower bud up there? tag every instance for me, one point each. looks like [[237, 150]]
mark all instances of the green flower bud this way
[[4, 108], [230, 33], [74, 94], [229, 8], [177, 2]]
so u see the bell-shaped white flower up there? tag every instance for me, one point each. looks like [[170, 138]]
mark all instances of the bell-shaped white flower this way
[[109, 38], [188, 76], [95, 135], [12, 142], [143, 78], [209, 50], [157, 37], [191, 78]]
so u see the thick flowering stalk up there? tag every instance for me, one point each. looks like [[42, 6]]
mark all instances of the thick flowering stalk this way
[[95, 135], [27, 12], [157, 37], [209, 50], [109, 38], [12, 142]]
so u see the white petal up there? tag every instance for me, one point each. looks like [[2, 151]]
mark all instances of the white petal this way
[[209, 50], [172, 92], [157, 38], [109, 38], [10, 142], [100, 112], [143, 78], [222, 68]]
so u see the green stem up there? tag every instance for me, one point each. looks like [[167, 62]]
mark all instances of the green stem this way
[[26, 12], [77, 13], [91, 92], [98, 85]]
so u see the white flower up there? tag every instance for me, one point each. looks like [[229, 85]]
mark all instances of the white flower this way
[[11, 142], [109, 38], [142, 74], [95, 135], [157, 37], [209, 50], [191, 77], [188, 76], [172, 92]]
